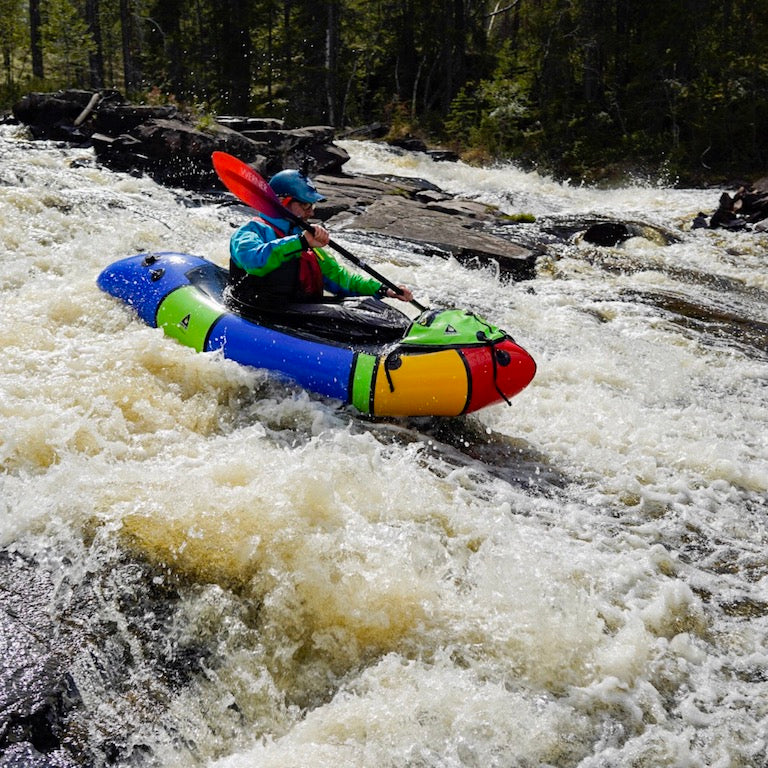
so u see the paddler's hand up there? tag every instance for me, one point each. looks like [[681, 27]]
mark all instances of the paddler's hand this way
[[317, 236], [405, 295]]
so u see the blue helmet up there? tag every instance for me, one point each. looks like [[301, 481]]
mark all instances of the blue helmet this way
[[295, 185]]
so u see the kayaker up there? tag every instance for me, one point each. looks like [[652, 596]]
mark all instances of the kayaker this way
[[273, 261]]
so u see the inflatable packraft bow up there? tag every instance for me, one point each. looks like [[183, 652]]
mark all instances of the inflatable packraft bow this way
[[443, 363]]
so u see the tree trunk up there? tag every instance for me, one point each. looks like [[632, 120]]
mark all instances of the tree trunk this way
[[234, 53], [331, 60], [287, 32], [270, 53], [407, 55], [458, 56], [591, 28], [126, 26], [35, 39], [96, 57]]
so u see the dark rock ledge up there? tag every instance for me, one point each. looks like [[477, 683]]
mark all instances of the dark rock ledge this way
[[746, 209], [36, 689], [175, 150], [415, 211], [71, 679]]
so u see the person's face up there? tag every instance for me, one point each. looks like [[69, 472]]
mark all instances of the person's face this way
[[304, 210]]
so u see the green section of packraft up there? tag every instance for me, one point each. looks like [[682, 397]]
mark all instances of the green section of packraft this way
[[454, 327], [185, 316]]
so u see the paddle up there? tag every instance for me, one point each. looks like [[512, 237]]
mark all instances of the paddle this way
[[249, 186]]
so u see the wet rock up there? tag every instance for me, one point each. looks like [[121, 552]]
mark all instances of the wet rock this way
[[415, 210], [174, 148], [748, 206], [24, 755], [180, 154], [409, 143], [466, 442], [371, 131], [443, 155], [431, 196], [311, 148], [75, 623], [355, 193], [36, 689], [700, 221], [607, 233], [604, 231], [172, 152], [114, 119], [752, 202], [448, 230], [54, 115], [745, 333], [242, 124], [458, 207]]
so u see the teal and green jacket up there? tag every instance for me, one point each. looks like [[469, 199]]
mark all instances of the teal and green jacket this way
[[265, 260]]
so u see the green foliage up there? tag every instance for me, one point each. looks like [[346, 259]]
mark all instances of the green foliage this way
[[66, 41], [401, 122], [14, 37], [464, 115], [493, 115], [581, 88]]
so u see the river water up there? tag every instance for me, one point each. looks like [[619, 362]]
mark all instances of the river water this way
[[242, 574]]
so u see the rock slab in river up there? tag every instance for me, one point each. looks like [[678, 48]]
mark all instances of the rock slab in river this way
[[453, 227]]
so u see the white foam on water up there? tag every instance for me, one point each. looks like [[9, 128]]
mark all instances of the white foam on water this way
[[367, 602]]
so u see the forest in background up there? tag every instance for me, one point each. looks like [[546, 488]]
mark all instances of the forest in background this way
[[588, 89]]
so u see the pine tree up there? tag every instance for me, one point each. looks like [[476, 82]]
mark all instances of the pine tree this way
[[67, 42]]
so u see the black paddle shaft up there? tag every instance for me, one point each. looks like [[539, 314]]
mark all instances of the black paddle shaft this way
[[354, 259]]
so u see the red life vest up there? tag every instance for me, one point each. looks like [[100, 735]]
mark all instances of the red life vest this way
[[310, 276]]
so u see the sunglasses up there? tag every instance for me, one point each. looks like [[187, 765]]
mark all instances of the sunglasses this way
[[304, 206]]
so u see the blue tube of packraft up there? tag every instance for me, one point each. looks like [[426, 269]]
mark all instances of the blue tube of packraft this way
[[318, 367]]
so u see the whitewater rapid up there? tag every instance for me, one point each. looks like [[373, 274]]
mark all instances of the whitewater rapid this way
[[287, 584]]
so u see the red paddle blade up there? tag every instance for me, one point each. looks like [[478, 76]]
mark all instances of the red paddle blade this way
[[247, 185]]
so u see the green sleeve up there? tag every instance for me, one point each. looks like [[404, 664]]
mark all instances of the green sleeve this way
[[341, 280]]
